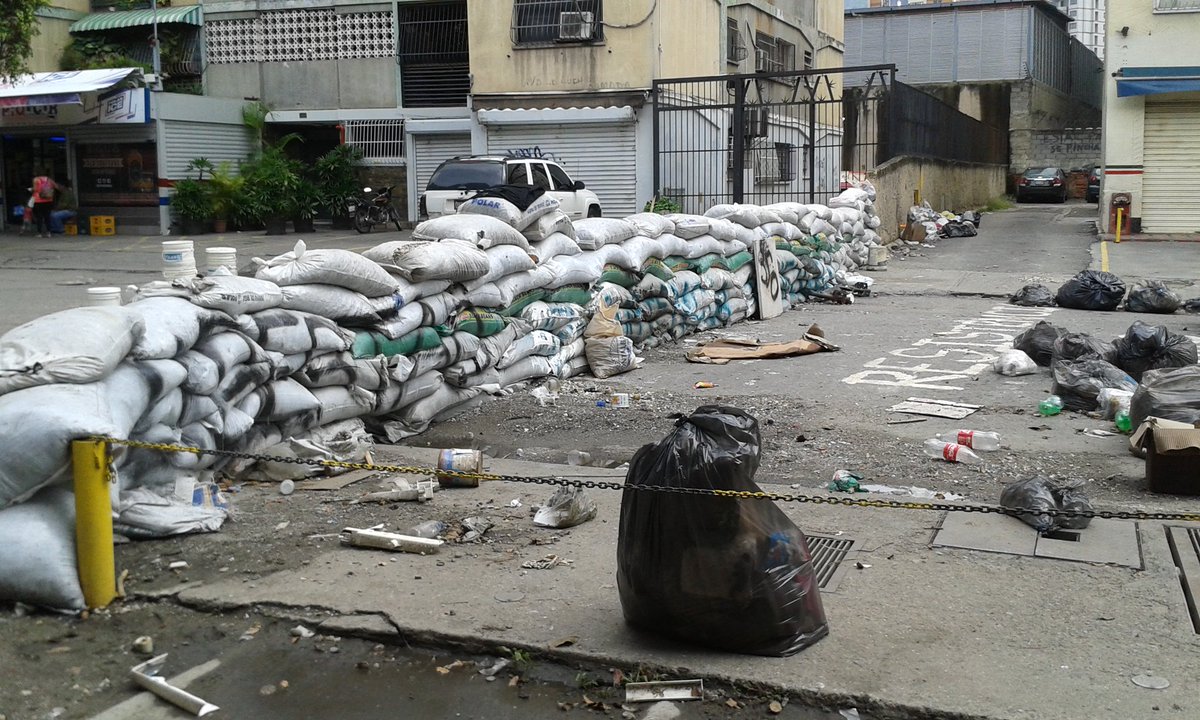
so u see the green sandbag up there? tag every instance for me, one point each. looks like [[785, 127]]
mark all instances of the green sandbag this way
[[704, 263], [675, 263], [480, 323], [637, 331], [618, 276], [657, 268], [523, 301], [735, 262], [572, 294], [423, 338], [364, 345]]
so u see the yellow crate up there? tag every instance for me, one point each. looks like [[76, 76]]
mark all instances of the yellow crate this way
[[103, 225], [70, 228]]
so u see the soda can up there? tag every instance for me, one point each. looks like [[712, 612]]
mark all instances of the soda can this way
[[459, 460]]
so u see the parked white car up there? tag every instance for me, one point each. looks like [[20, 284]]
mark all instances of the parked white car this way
[[458, 179]]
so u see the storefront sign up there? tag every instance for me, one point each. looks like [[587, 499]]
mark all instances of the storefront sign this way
[[126, 106], [117, 174]]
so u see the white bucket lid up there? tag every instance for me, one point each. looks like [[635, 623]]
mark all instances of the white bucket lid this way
[[177, 245]]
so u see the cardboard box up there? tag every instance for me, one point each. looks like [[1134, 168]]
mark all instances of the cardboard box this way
[[1172, 455]]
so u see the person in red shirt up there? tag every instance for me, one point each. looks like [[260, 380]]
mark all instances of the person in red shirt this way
[[44, 190]]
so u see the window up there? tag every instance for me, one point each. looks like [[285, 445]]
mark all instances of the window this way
[[544, 22], [773, 54], [735, 48], [1176, 5], [380, 141], [540, 178], [808, 60], [786, 152], [518, 174], [562, 181], [433, 55]]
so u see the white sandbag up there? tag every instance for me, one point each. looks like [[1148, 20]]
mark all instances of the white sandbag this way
[[240, 381], [236, 424], [572, 331], [787, 231], [203, 373], [399, 395], [283, 399], [729, 248], [160, 377], [38, 565], [611, 294], [789, 212], [594, 233], [744, 273], [80, 345], [227, 350], [723, 229], [555, 245], [290, 332], [167, 411], [574, 366], [538, 342], [718, 279], [343, 369], [749, 216], [429, 311], [689, 226], [231, 294], [641, 248], [651, 224], [547, 225], [328, 266], [417, 417], [173, 325], [493, 347], [453, 260], [614, 254], [701, 246], [514, 285], [485, 296], [343, 403], [194, 408], [384, 254], [550, 316], [483, 230], [675, 244], [650, 287], [454, 348], [409, 292], [503, 260], [346, 307], [151, 515], [582, 269], [493, 207], [37, 425], [608, 356], [566, 354], [534, 366], [539, 208]]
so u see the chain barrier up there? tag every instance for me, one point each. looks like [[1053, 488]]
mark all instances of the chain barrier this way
[[608, 485]]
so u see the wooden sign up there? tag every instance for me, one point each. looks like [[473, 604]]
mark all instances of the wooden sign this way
[[768, 284]]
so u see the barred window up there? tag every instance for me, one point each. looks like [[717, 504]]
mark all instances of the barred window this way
[[773, 54], [1176, 5], [293, 35], [380, 141], [540, 22]]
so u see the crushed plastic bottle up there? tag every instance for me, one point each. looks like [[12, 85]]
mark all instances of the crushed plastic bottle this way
[[429, 529], [1124, 424], [1052, 405], [951, 452], [974, 439]]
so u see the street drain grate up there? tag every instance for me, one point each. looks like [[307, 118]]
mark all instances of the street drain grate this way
[[1185, 551], [828, 554]]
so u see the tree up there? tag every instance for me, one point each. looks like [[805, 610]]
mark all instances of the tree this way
[[18, 26]]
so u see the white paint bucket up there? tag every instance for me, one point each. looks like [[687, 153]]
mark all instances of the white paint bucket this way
[[104, 296], [215, 257], [178, 258]]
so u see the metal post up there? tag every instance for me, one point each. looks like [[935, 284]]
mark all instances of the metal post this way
[[1120, 211], [93, 523], [812, 142], [739, 140], [655, 149]]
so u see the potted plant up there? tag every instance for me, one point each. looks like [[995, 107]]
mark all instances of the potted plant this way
[[335, 176], [307, 203], [193, 202], [269, 184], [226, 187]]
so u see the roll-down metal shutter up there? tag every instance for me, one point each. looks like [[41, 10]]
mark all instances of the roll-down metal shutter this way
[[603, 156], [184, 141], [432, 149], [1171, 171]]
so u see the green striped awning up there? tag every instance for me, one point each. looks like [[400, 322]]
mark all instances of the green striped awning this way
[[189, 14]]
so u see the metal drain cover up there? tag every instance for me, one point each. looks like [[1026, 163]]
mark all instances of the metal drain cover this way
[[828, 554], [1184, 543], [1112, 542]]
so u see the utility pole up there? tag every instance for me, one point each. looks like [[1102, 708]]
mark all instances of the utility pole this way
[[156, 61]]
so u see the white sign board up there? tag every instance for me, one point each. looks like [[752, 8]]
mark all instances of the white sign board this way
[[768, 284]]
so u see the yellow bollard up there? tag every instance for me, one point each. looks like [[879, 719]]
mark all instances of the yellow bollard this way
[[1118, 237], [93, 523]]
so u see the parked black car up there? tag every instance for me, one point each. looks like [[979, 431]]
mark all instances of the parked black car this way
[[1093, 189], [1042, 183]]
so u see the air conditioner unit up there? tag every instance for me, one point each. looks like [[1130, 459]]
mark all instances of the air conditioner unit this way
[[576, 26], [755, 120]]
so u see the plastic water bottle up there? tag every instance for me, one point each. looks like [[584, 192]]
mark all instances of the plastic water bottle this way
[[1124, 424], [429, 529], [974, 439], [1052, 405], [951, 452]]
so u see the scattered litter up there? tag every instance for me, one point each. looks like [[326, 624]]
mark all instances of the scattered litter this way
[[495, 667], [907, 421], [301, 632], [282, 526], [546, 563], [720, 352], [428, 529], [475, 528], [380, 540], [849, 714], [144, 645], [570, 505], [146, 675], [846, 481], [935, 408], [250, 632], [1040, 494], [543, 394], [511, 596], [775, 707], [514, 503], [567, 642], [911, 491], [1096, 432], [287, 487], [1013, 363], [1151, 682], [578, 457], [458, 460], [404, 491], [664, 690], [862, 565], [445, 669], [178, 565], [704, 385]]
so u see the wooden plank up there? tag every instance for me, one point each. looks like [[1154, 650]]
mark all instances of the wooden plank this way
[[768, 285]]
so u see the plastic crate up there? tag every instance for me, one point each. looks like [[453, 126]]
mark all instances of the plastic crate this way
[[102, 225], [70, 228]]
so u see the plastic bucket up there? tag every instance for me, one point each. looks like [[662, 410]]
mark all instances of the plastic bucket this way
[[215, 257], [104, 296], [178, 259], [457, 460]]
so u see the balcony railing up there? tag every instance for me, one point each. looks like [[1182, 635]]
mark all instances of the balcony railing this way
[[1170, 6]]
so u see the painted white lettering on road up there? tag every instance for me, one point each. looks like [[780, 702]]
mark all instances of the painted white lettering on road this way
[[957, 354]]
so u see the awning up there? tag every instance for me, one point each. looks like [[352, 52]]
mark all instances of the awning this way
[[1133, 81], [60, 88], [134, 18]]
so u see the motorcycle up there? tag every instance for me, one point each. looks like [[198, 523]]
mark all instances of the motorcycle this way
[[373, 208]]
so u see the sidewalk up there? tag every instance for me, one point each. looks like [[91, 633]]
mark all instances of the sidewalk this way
[[921, 632]]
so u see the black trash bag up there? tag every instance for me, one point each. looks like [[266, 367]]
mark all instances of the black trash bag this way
[[733, 574], [955, 228], [972, 217], [1077, 346], [1192, 306], [1152, 347], [1032, 493], [1033, 296], [1038, 342], [1153, 297], [1091, 290], [1169, 394], [1079, 382], [1072, 499]]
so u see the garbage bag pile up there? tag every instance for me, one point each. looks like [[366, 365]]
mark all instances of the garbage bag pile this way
[[944, 224], [1097, 290], [324, 349]]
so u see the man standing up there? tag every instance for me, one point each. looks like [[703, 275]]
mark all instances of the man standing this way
[[65, 207], [43, 202]]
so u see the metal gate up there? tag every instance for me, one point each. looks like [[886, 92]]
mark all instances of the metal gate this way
[[799, 135]]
